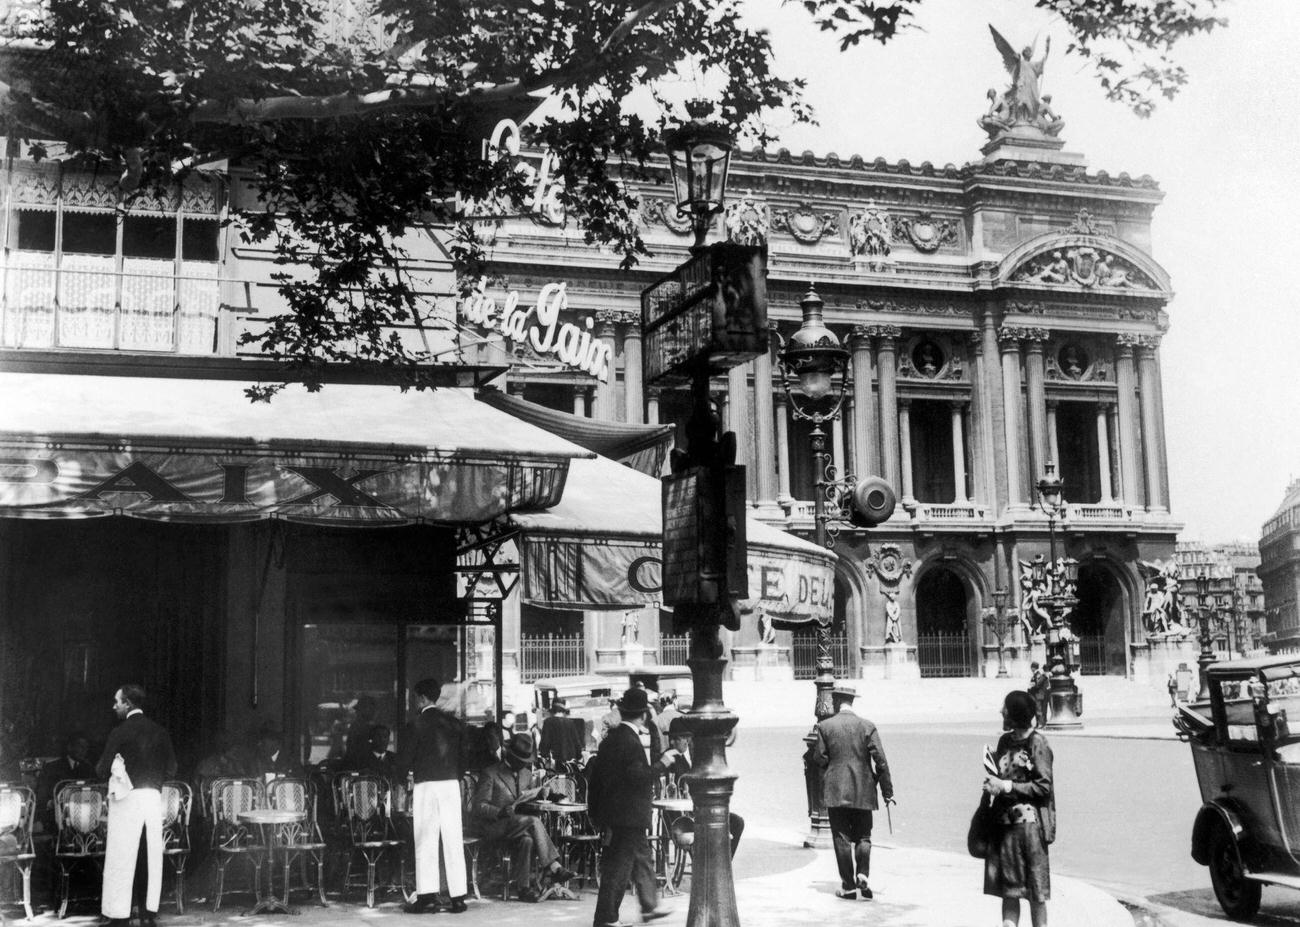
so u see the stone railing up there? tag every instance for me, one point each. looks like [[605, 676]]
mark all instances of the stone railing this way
[[962, 511], [1114, 511]]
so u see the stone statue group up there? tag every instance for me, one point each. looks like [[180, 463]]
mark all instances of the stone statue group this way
[[1023, 103]]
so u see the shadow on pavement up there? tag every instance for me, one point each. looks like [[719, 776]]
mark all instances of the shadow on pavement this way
[[1280, 906]]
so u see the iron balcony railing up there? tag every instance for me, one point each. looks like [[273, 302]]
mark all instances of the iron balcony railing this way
[[673, 649], [543, 655]]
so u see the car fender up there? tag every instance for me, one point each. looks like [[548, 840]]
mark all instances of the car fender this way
[[1211, 815]]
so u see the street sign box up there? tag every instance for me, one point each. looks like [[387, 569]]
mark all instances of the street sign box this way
[[709, 312], [704, 554]]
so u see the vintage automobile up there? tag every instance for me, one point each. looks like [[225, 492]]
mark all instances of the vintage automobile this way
[[588, 697], [1247, 760]]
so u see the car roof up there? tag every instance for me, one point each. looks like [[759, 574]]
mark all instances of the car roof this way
[[1273, 667]]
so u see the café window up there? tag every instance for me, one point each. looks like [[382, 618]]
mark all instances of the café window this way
[[79, 273]]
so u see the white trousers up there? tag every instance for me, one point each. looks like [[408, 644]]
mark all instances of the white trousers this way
[[435, 808], [139, 809]]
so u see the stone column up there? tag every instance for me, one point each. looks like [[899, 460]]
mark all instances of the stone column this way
[[1150, 400], [1037, 398], [764, 443], [905, 441], [1103, 450], [1009, 338], [782, 445], [887, 369], [864, 441], [633, 403], [1126, 393], [580, 401], [986, 414], [740, 421], [958, 454], [652, 406], [604, 407], [838, 445], [1112, 431], [1053, 449]]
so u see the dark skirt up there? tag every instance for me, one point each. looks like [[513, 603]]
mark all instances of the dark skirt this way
[[1016, 866]]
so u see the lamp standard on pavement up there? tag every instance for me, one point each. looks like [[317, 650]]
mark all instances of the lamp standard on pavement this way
[[1204, 615], [1000, 624], [1056, 579]]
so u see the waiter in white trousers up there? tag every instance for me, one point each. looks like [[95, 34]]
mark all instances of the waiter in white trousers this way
[[432, 751], [137, 759]]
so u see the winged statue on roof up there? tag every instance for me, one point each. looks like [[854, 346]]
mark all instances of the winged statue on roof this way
[[1022, 103]]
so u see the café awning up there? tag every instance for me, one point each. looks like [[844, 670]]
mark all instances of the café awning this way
[[600, 547], [198, 450]]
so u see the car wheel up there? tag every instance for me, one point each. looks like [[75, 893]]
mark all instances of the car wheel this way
[[1238, 896]]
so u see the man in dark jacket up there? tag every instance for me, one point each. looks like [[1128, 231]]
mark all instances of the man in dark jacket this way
[[618, 800], [137, 759], [848, 748], [433, 751], [376, 759], [562, 737]]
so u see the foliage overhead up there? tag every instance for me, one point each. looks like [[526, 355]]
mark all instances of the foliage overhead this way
[[356, 130]]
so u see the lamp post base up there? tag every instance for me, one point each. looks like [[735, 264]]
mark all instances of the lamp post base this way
[[819, 825], [1064, 704]]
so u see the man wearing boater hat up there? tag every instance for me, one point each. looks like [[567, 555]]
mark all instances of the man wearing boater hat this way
[[620, 780], [848, 748]]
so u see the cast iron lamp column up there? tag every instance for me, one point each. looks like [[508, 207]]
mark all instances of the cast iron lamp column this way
[[999, 624], [811, 362], [1058, 578], [1203, 613], [699, 153]]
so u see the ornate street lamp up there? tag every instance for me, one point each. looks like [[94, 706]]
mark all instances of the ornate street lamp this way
[[1057, 580], [1000, 624], [699, 154], [1203, 619]]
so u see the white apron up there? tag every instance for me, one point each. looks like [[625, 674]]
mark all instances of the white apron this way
[[435, 808], [138, 809]]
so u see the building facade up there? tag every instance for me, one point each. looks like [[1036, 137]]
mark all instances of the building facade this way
[[1236, 611], [1000, 316], [1279, 573]]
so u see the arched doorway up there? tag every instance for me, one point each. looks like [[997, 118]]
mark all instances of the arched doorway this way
[[1098, 621], [943, 642]]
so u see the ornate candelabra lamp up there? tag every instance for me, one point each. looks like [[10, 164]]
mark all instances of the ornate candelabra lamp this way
[[1055, 581], [1000, 624]]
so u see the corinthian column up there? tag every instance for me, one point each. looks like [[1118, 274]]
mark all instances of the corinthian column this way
[[864, 439], [887, 369], [958, 454], [1103, 449], [1009, 339], [764, 445], [652, 405], [1151, 450], [1126, 392], [782, 446], [604, 406], [634, 406], [1037, 396], [905, 446]]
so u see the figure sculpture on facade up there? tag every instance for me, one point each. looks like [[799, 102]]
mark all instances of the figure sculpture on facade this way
[[631, 629], [1033, 616], [766, 632], [893, 630], [1022, 103], [1160, 608]]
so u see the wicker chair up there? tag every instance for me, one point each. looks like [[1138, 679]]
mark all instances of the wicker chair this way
[[580, 843], [81, 817], [17, 808], [231, 838], [304, 840], [177, 803], [370, 826]]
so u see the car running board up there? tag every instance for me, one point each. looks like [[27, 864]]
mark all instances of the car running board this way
[[1274, 878]]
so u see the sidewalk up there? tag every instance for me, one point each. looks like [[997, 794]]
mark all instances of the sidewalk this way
[[913, 888]]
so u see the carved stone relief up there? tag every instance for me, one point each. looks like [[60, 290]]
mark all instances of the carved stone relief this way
[[664, 212], [805, 225], [747, 221], [1085, 267], [869, 236], [925, 233], [888, 564], [931, 357], [1078, 360]]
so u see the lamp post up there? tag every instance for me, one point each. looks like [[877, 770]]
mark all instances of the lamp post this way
[[1057, 579], [1000, 624], [811, 362], [1203, 619], [699, 153]]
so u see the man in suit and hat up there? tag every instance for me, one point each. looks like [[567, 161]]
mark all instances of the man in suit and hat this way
[[620, 780], [504, 786], [432, 751], [562, 737], [679, 740], [137, 759], [848, 748]]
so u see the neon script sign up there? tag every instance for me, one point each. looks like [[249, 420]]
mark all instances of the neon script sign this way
[[539, 327]]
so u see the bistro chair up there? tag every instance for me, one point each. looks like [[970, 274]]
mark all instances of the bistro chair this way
[[580, 843], [471, 840], [299, 840], [81, 818], [370, 827], [17, 810], [177, 799], [231, 838]]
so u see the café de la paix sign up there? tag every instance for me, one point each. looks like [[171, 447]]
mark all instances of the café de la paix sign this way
[[538, 327]]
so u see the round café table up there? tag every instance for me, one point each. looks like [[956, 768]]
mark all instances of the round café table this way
[[555, 817], [274, 826], [663, 836]]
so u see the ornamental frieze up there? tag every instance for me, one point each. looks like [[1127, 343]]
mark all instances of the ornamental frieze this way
[[1085, 267], [85, 191], [36, 188], [747, 221], [1019, 333], [911, 308], [806, 225], [925, 233], [664, 212]]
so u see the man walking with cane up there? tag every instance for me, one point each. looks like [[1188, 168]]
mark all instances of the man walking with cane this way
[[848, 748], [137, 759], [433, 750]]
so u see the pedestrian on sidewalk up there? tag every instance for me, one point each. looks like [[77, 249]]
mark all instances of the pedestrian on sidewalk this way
[[1040, 684], [620, 779], [849, 749], [1024, 806]]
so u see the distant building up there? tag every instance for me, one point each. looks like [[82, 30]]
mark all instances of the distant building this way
[[1235, 587], [1279, 572]]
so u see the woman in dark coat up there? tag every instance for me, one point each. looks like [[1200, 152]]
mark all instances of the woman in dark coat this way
[[1016, 866]]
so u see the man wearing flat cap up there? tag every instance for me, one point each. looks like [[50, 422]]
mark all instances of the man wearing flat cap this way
[[620, 780], [504, 786], [848, 747]]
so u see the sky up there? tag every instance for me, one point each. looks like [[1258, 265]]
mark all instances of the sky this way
[[1223, 152]]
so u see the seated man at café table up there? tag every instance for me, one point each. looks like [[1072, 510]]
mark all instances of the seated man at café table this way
[[679, 740], [270, 758], [502, 788], [72, 763], [375, 759]]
